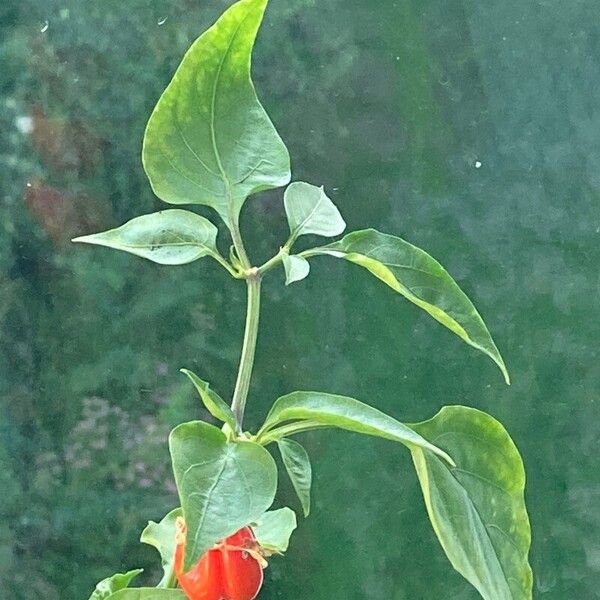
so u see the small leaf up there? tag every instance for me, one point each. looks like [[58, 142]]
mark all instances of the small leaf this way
[[421, 279], [209, 141], [274, 529], [344, 413], [309, 210], [298, 467], [162, 537], [169, 237], [296, 268], [215, 405], [222, 485], [478, 508], [148, 594], [112, 584]]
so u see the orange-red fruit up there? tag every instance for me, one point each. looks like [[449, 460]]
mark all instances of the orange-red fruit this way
[[229, 571]]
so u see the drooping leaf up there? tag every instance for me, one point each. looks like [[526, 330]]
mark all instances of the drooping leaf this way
[[296, 268], [222, 485], [421, 279], [215, 405], [309, 210], [169, 237], [342, 412], [148, 594], [162, 537], [298, 467], [477, 509], [274, 529], [209, 141], [112, 584]]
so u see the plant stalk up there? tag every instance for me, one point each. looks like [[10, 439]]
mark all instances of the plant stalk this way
[[240, 395]]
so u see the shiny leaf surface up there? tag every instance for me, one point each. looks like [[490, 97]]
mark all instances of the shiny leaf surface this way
[[215, 405], [477, 509], [274, 529], [169, 237], [309, 210], [162, 537], [209, 141], [413, 273], [222, 485], [299, 469], [345, 413]]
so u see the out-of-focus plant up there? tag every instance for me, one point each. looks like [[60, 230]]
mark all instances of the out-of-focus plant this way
[[210, 142]]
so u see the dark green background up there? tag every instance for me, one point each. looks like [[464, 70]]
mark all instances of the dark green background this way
[[471, 129]]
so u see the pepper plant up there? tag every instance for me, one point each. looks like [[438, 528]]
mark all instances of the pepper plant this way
[[210, 142]]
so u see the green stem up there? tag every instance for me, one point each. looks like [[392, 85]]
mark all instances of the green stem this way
[[236, 236], [240, 395], [272, 435]]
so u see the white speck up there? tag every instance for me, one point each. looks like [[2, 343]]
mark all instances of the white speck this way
[[29, 184], [24, 124], [45, 27], [397, 58], [503, 38], [597, 229], [162, 20], [335, 189], [64, 14], [478, 164]]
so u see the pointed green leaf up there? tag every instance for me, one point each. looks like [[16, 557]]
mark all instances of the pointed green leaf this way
[[342, 412], [296, 268], [169, 237], [274, 529], [209, 141], [222, 485], [215, 405], [298, 467], [162, 537], [112, 584], [148, 594], [421, 279], [478, 508], [309, 210]]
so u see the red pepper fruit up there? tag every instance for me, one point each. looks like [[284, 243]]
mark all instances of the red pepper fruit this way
[[231, 570]]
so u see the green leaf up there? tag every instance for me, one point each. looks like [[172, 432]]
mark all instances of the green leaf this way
[[169, 237], [114, 583], [209, 141], [162, 537], [296, 268], [222, 485], [274, 529], [148, 594], [298, 467], [342, 412], [215, 405], [309, 210], [421, 279], [478, 509]]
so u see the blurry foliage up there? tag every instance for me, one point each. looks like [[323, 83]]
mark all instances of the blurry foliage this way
[[390, 104]]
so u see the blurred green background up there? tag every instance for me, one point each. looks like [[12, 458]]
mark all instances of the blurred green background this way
[[471, 129]]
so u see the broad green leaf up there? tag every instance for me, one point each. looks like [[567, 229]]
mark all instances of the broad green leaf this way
[[209, 141], [112, 584], [274, 529], [477, 509], [162, 537], [222, 485], [298, 467], [215, 405], [344, 413], [421, 279], [309, 210], [296, 268], [169, 237], [148, 594]]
